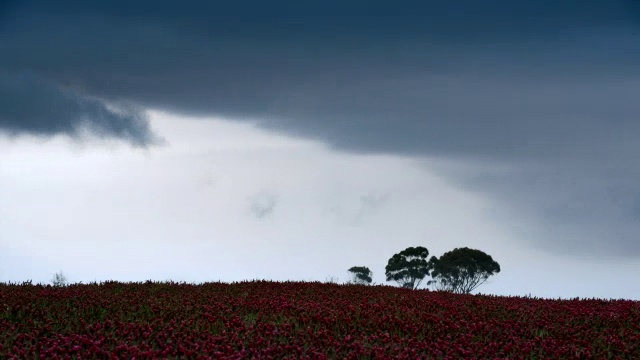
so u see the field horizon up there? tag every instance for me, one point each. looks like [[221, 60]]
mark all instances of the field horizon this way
[[311, 320]]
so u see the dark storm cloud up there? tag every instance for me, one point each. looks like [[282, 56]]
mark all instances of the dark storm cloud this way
[[6, 8], [28, 104], [459, 76], [516, 82]]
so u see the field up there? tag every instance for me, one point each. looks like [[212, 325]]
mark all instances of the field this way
[[300, 320]]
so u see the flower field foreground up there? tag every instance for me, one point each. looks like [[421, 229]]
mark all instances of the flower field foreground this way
[[302, 320]]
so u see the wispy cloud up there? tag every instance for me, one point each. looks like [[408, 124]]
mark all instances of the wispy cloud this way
[[369, 203], [263, 204]]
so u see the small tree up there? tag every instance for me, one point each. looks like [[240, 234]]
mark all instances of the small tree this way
[[462, 270], [331, 280], [361, 275], [59, 280], [408, 266]]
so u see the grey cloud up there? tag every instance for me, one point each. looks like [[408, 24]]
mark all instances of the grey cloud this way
[[535, 84], [369, 203], [373, 200], [263, 204], [31, 105], [208, 180], [355, 211], [577, 209]]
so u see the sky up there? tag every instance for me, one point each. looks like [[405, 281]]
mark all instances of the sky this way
[[200, 141]]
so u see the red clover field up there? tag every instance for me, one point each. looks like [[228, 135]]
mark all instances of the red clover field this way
[[305, 320]]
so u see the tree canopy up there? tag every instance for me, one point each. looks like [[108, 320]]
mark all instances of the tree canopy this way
[[462, 270], [408, 266], [361, 275]]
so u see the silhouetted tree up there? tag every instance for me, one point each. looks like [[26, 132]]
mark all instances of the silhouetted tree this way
[[361, 275], [59, 279], [331, 280], [408, 266], [462, 270]]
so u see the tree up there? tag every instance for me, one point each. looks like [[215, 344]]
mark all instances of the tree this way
[[361, 275], [331, 280], [462, 270], [408, 266], [59, 280]]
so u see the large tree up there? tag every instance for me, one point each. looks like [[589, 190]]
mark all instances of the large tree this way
[[361, 275], [462, 270], [408, 266]]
